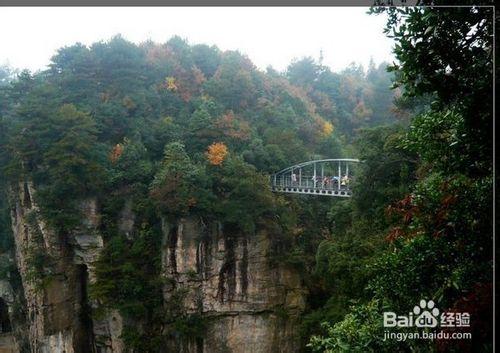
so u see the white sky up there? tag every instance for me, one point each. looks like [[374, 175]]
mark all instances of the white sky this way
[[269, 36]]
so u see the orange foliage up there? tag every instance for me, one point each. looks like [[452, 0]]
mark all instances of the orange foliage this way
[[216, 153], [116, 153], [233, 127], [199, 77]]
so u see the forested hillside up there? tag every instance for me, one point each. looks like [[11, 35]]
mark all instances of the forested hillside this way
[[158, 134]]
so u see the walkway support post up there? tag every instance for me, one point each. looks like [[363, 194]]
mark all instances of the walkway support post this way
[[322, 175], [314, 176], [338, 183]]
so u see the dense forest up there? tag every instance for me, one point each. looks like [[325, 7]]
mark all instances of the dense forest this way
[[179, 130]]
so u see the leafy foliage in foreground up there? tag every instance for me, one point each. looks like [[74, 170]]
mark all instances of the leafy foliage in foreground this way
[[440, 241]]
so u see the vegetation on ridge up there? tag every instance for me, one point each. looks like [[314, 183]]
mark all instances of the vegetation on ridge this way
[[180, 130]]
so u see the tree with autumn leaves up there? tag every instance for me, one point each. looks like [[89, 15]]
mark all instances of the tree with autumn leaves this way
[[216, 153]]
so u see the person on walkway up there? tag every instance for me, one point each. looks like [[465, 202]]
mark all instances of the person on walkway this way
[[344, 180], [325, 182]]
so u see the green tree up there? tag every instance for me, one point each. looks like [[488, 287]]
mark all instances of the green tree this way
[[456, 45], [243, 194], [179, 185], [70, 168], [234, 83], [57, 147]]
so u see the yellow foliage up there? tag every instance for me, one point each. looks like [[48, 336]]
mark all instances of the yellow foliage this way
[[168, 120], [327, 128], [216, 153], [170, 83]]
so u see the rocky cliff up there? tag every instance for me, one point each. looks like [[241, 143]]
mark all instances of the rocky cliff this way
[[247, 302], [55, 273], [250, 306]]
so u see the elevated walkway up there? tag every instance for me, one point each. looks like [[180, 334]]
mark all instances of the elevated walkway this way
[[324, 177]]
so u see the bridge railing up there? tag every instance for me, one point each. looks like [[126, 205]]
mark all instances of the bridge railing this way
[[308, 182], [329, 177]]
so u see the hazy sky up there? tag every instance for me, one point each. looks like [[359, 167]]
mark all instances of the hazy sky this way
[[269, 36]]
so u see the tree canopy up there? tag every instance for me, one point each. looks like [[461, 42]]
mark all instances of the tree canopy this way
[[175, 130]]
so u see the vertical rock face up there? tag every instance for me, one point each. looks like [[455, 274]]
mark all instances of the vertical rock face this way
[[55, 272], [227, 277], [8, 342], [247, 303], [50, 304]]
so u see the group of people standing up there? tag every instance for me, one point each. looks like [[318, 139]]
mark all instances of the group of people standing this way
[[325, 181]]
